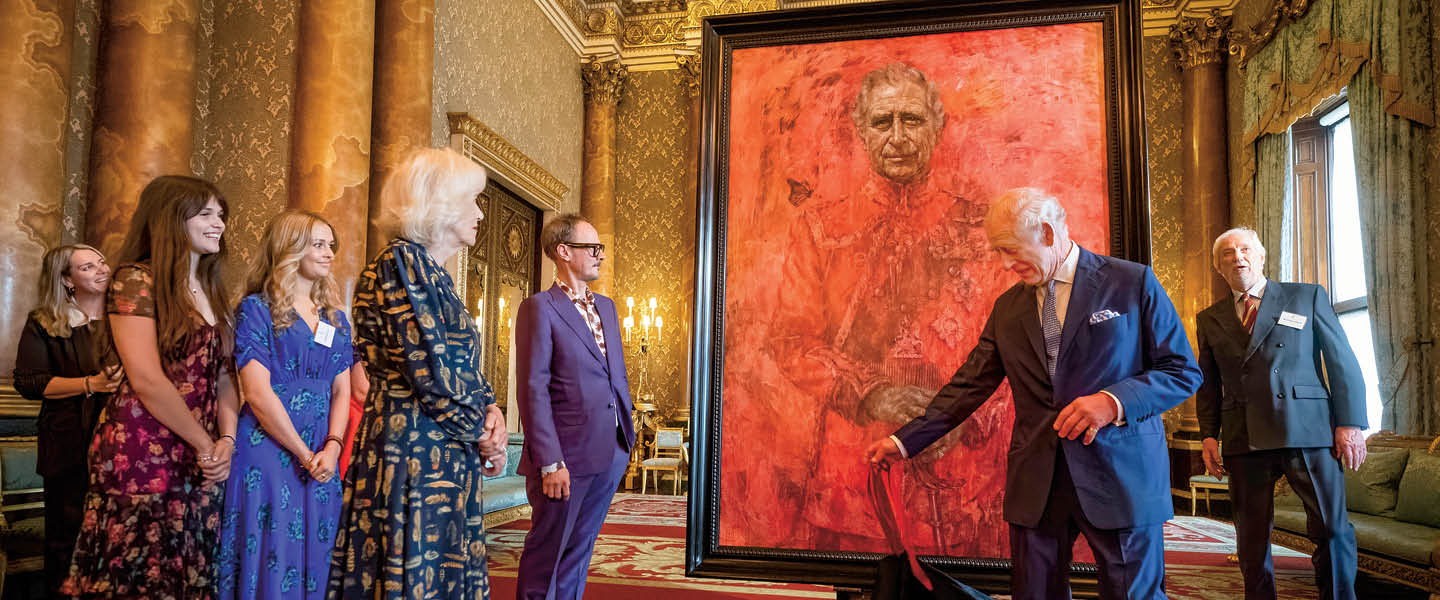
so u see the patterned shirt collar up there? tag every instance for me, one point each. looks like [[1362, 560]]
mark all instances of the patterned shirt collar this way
[[588, 298]]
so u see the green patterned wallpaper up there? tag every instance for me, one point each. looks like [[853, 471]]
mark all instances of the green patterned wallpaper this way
[[655, 225]]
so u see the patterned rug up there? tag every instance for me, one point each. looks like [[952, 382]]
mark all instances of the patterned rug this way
[[641, 550]]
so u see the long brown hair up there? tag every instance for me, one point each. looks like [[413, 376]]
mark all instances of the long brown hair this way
[[287, 239], [158, 237], [55, 300]]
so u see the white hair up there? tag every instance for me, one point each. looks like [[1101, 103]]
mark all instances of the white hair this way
[[1255, 237], [428, 192], [1026, 210]]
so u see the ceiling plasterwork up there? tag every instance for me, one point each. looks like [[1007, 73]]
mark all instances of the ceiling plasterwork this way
[[650, 34]]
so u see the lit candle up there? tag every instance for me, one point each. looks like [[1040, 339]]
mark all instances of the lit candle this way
[[629, 323], [652, 304], [629, 302], [645, 322], [502, 307], [659, 323]]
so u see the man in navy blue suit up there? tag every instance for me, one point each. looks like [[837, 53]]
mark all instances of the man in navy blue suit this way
[[575, 405], [1283, 394], [1094, 352]]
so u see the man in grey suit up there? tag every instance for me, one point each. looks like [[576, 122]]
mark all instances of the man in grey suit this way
[[1283, 394]]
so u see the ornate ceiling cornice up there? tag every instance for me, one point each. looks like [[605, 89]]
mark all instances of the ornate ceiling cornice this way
[[1157, 16], [651, 34], [647, 34]]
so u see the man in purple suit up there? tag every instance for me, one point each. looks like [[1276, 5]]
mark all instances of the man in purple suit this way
[[575, 408]]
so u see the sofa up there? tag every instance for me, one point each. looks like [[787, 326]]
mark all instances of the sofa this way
[[1394, 503], [504, 494]]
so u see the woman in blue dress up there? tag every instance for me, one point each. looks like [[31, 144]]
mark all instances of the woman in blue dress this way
[[293, 350]]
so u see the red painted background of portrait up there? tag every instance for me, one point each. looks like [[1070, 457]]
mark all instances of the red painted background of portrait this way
[[840, 282]]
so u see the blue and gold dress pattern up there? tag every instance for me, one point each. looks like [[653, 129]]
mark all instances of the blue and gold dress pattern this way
[[413, 525], [278, 529]]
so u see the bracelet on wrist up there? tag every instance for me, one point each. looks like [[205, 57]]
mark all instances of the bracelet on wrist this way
[[232, 438], [333, 438], [88, 393]]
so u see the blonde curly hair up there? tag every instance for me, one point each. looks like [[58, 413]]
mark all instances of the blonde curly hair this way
[[287, 239]]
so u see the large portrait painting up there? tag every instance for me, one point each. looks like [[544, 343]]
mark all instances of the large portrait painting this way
[[850, 157]]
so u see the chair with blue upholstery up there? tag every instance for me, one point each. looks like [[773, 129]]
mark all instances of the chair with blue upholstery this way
[[668, 454], [22, 504]]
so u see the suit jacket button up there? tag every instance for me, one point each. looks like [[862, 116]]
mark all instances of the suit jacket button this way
[[1277, 370], [610, 405], [1280, 345], [1280, 395]]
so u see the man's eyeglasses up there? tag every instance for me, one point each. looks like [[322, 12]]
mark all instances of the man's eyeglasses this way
[[595, 249]]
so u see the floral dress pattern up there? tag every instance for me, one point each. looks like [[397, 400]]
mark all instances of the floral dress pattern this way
[[413, 526], [151, 525], [279, 524]]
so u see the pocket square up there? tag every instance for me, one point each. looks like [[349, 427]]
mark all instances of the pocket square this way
[[1102, 316]]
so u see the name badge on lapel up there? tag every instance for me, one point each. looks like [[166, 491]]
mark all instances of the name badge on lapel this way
[[325, 334], [1293, 320]]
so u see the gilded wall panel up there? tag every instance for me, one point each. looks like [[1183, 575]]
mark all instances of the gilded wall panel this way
[[1163, 122], [503, 62], [243, 106], [86, 45], [655, 225]]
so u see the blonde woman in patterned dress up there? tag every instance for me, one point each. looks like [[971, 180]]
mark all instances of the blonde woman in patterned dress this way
[[412, 523], [152, 515]]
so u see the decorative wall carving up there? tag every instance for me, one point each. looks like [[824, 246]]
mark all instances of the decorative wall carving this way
[[603, 79], [1200, 41], [507, 162], [689, 73], [1244, 43]]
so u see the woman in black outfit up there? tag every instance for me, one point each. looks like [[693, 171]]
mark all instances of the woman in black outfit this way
[[56, 364]]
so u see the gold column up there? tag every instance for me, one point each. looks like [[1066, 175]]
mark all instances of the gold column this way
[[1199, 47], [330, 153], [35, 66], [404, 81], [603, 82], [143, 123]]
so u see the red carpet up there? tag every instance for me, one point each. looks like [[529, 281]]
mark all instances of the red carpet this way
[[641, 550]]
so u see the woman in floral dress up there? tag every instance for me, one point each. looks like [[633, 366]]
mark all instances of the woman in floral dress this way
[[162, 449], [292, 348], [413, 525]]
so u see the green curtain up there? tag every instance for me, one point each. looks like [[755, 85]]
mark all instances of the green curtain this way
[[1392, 115], [1383, 51], [1274, 214]]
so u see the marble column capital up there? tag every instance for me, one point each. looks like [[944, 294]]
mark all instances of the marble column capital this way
[[603, 80], [690, 73], [1199, 41]]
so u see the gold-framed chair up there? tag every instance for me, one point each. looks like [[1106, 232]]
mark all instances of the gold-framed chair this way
[[668, 453]]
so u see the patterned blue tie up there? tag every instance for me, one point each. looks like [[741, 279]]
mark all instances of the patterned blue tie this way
[[1050, 324]]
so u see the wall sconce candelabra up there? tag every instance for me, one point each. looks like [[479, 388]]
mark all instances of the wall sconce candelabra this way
[[650, 331]]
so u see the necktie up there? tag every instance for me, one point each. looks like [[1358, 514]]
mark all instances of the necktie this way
[[1252, 308], [1050, 325]]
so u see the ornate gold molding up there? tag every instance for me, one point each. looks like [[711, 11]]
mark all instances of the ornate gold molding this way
[[1244, 44], [646, 32], [12, 404], [690, 73], [603, 80], [1199, 41], [506, 162]]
